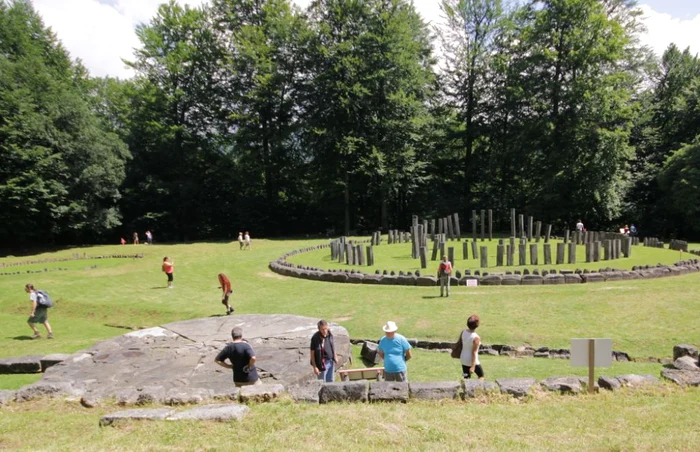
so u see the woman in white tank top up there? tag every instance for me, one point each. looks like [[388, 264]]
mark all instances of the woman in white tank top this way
[[470, 349]]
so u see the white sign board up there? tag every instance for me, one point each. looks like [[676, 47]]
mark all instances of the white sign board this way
[[602, 352], [472, 282]]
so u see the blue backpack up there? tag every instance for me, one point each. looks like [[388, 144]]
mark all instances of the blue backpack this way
[[43, 299]]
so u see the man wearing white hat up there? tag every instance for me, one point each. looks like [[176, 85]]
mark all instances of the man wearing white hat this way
[[395, 350]]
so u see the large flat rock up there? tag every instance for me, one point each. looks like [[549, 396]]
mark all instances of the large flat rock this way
[[682, 377], [219, 412], [161, 364]]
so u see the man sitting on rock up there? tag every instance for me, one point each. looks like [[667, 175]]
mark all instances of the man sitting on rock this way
[[242, 358]]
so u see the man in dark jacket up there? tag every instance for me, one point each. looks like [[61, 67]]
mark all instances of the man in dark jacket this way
[[323, 357]]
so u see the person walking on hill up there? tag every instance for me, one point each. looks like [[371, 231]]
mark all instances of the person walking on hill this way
[[136, 238], [38, 314], [149, 237], [169, 268], [240, 240], [579, 226], [225, 284], [247, 240], [395, 350], [323, 357], [470, 349], [444, 274], [242, 359]]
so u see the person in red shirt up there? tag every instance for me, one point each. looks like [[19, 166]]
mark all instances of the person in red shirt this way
[[225, 284], [169, 268], [444, 273]]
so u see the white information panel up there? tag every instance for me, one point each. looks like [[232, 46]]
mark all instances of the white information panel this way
[[602, 352]]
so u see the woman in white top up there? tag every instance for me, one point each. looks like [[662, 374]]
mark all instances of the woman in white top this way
[[470, 349]]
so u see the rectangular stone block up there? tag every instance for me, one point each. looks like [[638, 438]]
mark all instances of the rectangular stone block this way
[[484, 256], [572, 252], [465, 250], [261, 393], [475, 252], [438, 390], [512, 222], [483, 224], [530, 221], [548, 234], [561, 248], [500, 251], [451, 254], [533, 254], [547, 254], [458, 229], [522, 254], [521, 223], [538, 230], [423, 257], [346, 391], [388, 391], [490, 213], [510, 254]]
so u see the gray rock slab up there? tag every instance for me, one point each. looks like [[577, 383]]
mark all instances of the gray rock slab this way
[[181, 354], [388, 391], [126, 396], [473, 388], [46, 389], [187, 396], [564, 385], [139, 414], [609, 383], [633, 380], [308, 392], [346, 391], [437, 390], [150, 394], [6, 396], [686, 363], [221, 412], [681, 350], [261, 393], [518, 387], [53, 359], [20, 365], [682, 377]]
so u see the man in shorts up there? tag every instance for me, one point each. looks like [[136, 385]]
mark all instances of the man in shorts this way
[[225, 285], [38, 314]]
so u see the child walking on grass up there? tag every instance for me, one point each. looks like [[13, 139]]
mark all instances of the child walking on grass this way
[[470, 349]]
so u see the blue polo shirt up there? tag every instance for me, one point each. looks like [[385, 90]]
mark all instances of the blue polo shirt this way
[[394, 352]]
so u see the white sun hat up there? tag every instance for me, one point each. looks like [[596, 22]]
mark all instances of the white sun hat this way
[[390, 327]]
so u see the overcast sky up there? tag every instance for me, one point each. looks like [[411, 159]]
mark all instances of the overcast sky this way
[[101, 32]]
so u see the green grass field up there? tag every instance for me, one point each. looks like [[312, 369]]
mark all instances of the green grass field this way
[[644, 318]]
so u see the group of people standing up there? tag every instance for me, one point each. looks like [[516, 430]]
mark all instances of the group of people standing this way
[[393, 348], [244, 240]]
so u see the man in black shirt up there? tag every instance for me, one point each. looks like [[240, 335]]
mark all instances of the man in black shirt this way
[[242, 358], [323, 357]]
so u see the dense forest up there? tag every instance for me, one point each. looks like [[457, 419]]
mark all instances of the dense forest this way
[[349, 116]]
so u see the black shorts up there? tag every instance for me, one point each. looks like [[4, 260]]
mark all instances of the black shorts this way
[[477, 370], [170, 277]]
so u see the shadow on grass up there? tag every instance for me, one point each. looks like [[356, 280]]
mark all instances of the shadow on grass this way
[[123, 327], [430, 297], [22, 338], [159, 287]]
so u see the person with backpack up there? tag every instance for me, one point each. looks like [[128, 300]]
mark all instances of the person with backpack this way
[[444, 273], [41, 302]]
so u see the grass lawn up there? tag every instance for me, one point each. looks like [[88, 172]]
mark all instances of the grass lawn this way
[[644, 318]]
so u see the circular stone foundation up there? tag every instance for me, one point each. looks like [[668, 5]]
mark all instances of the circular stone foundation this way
[[179, 357]]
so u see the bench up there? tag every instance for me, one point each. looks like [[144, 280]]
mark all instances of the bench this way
[[368, 373]]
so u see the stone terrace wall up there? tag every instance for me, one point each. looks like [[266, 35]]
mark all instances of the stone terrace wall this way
[[525, 277]]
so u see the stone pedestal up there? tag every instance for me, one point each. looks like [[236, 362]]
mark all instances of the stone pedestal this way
[[572, 252], [484, 257], [533, 254], [500, 251], [561, 248], [547, 254], [522, 254]]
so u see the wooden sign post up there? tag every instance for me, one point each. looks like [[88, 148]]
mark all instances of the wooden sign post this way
[[591, 353]]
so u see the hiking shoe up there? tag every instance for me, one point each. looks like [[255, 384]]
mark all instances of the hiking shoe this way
[[36, 336], [50, 336]]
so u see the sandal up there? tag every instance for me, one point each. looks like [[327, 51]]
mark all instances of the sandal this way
[[36, 336]]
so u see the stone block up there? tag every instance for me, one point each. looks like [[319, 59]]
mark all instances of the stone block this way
[[592, 277], [371, 279], [186, 395], [686, 363], [438, 390], [426, 281], [369, 352], [222, 412], [406, 280], [46, 389], [388, 391], [308, 392], [511, 280], [682, 377], [340, 277], [633, 380], [20, 365], [473, 388], [609, 383], [491, 280], [150, 394], [260, 393], [564, 385], [355, 278], [613, 276], [53, 359], [681, 350], [517, 387], [127, 396], [554, 279], [531, 280], [573, 278], [389, 280], [90, 401], [346, 391], [141, 414]]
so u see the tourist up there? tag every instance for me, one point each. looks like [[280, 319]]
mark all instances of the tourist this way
[[122, 241], [38, 314], [242, 358], [136, 238], [323, 357], [225, 284], [169, 269], [633, 230], [240, 240], [247, 240], [470, 349], [444, 274], [395, 350], [149, 237], [579, 226]]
